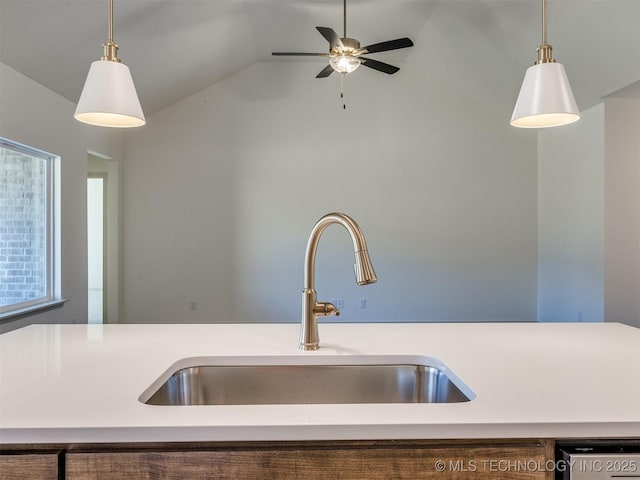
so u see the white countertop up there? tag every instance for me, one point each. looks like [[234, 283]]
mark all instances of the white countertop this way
[[81, 383]]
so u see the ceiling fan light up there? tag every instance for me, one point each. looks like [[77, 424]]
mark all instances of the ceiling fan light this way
[[545, 98], [109, 97], [344, 63]]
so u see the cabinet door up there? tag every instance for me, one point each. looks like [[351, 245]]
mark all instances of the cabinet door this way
[[327, 461], [29, 467]]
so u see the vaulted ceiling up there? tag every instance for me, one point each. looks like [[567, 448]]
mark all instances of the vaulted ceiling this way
[[178, 47]]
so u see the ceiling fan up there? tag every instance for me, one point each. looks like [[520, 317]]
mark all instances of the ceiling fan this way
[[345, 54]]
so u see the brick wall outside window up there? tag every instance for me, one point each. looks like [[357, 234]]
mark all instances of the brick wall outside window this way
[[22, 227]]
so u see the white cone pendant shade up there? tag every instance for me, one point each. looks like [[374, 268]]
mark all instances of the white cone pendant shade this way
[[545, 99], [109, 97]]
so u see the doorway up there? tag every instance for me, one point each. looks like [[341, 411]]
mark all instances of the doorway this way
[[102, 240], [96, 219]]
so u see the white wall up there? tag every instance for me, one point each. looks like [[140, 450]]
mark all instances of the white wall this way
[[222, 189], [35, 116], [571, 220], [622, 203]]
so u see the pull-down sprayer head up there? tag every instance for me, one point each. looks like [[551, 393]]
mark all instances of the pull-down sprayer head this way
[[365, 275]]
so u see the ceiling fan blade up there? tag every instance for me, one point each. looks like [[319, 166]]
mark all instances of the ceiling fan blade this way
[[380, 66], [331, 36], [280, 54], [389, 45], [326, 71]]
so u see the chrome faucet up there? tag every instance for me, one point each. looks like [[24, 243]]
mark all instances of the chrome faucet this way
[[311, 308]]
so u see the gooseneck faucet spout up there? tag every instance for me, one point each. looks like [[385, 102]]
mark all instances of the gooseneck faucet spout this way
[[311, 308]]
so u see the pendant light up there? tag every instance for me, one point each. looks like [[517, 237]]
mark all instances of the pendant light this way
[[545, 98], [109, 97]]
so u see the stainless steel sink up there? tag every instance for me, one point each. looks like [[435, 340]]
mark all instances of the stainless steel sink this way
[[305, 384]]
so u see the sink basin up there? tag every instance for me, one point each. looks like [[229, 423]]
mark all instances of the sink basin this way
[[335, 381]]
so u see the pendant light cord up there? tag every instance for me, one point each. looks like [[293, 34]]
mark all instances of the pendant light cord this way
[[110, 47], [110, 21], [545, 51], [544, 21]]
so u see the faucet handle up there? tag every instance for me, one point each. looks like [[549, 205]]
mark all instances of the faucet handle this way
[[325, 309]]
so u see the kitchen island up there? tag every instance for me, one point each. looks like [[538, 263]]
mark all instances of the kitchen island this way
[[71, 403], [82, 383]]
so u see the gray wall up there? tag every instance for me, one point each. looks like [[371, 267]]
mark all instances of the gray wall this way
[[622, 204], [589, 215], [222, 189], [571, 220]]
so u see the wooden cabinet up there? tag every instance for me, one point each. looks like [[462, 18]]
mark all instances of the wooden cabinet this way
[[29, 466], [362, 460]]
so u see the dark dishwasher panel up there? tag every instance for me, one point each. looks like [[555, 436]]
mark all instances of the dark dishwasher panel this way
[[598, 459]]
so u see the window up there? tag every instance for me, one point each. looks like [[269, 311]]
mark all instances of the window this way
[[29, 250]]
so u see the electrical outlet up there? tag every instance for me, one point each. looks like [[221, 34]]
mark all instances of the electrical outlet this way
[[338, 303], [193, 305], [363, 303]]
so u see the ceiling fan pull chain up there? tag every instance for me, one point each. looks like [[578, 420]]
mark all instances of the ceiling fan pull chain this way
[[344, 104]]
